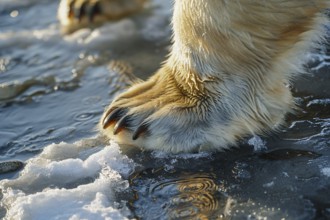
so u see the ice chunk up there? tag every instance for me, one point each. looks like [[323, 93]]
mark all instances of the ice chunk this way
[[69, 181]]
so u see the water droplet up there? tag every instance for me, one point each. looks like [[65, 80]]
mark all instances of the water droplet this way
[[14, 14]]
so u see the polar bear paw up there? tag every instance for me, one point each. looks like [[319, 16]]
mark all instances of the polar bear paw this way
[[76, 14], [158, 114]]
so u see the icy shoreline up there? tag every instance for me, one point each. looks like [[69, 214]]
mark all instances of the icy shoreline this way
[[53, 184]]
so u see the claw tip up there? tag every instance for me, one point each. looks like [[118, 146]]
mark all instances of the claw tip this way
[[141, 129]]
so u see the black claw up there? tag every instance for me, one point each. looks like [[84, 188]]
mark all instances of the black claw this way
[[71, 9], [143, 128], [81, 11], [112, 115], [122, 123], [93, 11]]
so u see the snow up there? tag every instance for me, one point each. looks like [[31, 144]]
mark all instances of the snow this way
[[51, 185]]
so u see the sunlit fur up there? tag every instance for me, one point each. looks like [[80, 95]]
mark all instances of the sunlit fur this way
[[227, 74]]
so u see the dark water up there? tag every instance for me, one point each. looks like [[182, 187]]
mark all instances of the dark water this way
[[54, 88]]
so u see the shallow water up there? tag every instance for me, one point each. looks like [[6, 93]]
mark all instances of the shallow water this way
[[53, 89]]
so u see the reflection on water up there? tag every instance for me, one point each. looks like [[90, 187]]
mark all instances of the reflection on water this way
[[287, 154], [179, 196], [240, 184]]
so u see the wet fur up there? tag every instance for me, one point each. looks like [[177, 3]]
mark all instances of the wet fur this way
[[226, 77]]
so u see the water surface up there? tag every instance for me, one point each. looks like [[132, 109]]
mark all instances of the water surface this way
[[53, 90]]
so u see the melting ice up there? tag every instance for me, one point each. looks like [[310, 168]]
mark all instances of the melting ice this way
[[70, 181]]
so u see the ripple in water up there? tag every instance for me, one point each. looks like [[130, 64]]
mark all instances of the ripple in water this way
[[84, 116], [196, 196]]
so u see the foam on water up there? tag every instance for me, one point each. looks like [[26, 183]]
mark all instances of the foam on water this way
[[70, 181], [257, 143], [326, 171]]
